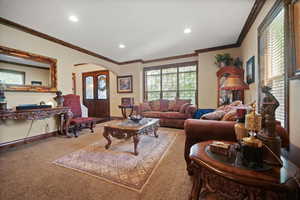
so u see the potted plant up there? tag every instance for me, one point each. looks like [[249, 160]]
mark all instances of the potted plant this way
[[238, 62], [223, 60]]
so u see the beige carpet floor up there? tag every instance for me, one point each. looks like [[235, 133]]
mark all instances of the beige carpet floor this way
[[27, 173]]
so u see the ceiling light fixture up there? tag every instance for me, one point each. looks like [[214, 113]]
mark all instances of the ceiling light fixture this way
[[73, 18], [187, 30], [122, 46]]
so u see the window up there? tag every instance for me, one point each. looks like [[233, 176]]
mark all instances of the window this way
[[272, 62], [171, 81], [12, 77]]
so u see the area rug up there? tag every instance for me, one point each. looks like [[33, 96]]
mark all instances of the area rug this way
[[117, 164]]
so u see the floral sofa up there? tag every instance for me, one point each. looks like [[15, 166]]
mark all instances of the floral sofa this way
[[172, 113]]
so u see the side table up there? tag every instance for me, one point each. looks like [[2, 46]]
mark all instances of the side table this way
[[124, 109], [216, 178]]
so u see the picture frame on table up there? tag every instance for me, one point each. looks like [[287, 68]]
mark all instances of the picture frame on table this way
[[124, 84], [250, 70]]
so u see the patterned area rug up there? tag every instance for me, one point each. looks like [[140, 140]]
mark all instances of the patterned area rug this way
[[117, 164]]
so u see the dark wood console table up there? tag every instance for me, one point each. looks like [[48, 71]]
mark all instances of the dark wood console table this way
[[216, 179], [64, 114]]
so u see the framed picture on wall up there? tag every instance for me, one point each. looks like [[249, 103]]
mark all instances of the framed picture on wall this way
[[250, 70], [124, 84]]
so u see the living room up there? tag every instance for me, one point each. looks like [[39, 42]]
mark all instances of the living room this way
[[139, 58]]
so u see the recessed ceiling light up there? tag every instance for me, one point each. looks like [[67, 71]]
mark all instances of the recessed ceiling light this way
[[73, 18], [187, 30], [122, 46]]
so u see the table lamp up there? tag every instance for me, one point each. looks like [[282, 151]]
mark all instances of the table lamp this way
[[234, 83]]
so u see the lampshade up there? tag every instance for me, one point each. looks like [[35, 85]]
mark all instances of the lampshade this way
[[234, 82]]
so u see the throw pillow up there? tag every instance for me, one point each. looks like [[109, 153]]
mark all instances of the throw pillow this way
[[183, 107], [164, 105], [230, 116], [172, 104], [217, 115], [198, 114], [179, 103], [145, 107], [155, 105]]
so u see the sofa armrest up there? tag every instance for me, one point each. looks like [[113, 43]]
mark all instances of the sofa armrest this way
[[202, 130], [190, 110]]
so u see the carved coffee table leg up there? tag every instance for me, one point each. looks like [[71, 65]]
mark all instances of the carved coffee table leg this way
[[136, 140], [155, 131], [107, 137]]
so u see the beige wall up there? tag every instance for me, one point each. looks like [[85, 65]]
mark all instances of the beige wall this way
[[249, 48], [207, 78], [66, 58], [31, 73]]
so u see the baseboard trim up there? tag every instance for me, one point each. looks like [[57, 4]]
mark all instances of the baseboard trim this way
[[27, 140]]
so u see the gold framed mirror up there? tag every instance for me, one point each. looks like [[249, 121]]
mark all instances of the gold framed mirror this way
[[27, 72]]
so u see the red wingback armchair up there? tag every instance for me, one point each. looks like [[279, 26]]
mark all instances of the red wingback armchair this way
[[77, 122], [202, 130]]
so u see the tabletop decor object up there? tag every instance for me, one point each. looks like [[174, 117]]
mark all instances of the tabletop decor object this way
[[219, 147], [251, 147], [59, 99], [268, 135], [239, 127]]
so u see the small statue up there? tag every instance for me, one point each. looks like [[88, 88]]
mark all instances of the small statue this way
[[59, 99], [268, 135], [269, 106]]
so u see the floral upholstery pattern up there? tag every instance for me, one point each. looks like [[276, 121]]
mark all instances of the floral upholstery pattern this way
[[73, 102], [155, 105], [165, 111], [145, 106], [172, 104], [152, 114], [164, 105], [184, 107], [81, 120], [217, 115], [179, 103], [230, 116]]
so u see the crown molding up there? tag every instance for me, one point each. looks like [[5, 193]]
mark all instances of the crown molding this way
[[258, 5]]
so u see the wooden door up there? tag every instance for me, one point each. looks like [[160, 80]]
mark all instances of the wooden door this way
[[96, 93]]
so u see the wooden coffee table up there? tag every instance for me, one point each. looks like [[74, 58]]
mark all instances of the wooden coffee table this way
[[214, 178], [126, 129]]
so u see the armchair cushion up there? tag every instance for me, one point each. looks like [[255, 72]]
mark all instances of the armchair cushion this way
[[73, 102], [81, 120], [216, 115], [199, 112], [184, 107]]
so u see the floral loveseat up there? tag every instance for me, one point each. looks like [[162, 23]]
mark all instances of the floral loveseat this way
[[172, 113]]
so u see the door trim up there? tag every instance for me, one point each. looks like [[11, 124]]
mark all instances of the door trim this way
[[108, 88]]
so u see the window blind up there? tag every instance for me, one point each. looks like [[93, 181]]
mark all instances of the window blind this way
[[171, 82], [272, 61]]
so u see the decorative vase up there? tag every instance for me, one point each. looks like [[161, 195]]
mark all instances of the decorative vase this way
[[59, 99], [240, 130], [239, 127]]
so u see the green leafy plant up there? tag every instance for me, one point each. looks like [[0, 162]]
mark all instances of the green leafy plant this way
[[223, 59], [238, 62]]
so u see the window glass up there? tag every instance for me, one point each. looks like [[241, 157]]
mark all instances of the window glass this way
[[89, 87], [171, 82], [102, 90]]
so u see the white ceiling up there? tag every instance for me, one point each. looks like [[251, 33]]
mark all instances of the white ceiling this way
[[149, 28]]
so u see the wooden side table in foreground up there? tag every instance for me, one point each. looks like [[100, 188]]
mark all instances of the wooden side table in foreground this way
[[223, 180]]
